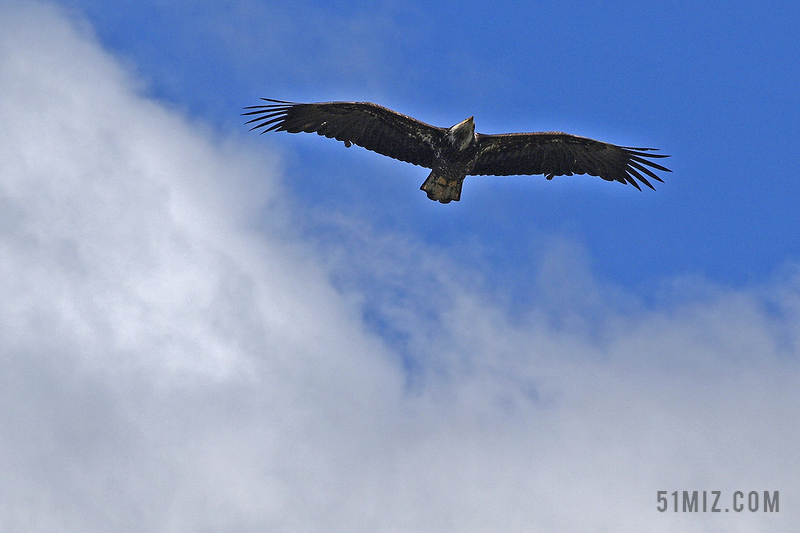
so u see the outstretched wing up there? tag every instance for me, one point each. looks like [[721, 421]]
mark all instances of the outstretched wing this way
[[557, 154], [366, 124]]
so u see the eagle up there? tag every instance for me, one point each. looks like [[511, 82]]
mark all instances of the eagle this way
[[456, 152]]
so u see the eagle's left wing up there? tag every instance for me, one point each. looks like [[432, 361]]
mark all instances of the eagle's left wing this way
[[557, 154], [369, 125]]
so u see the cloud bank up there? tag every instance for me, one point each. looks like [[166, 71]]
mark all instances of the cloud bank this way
[[175, 355]]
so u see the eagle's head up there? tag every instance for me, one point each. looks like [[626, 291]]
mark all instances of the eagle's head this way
[[462, 135]]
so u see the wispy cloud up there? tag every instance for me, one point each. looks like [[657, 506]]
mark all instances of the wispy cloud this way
[[177, 356]]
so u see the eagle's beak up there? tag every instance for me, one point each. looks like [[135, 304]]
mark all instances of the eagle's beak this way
[[467, 123]]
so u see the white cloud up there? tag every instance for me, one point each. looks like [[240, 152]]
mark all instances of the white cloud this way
[[175, 358]]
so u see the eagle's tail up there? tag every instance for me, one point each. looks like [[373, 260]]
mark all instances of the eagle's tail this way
[[439, 188]]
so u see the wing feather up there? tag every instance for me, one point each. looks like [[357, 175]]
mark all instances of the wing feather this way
[[635, 164], [368, 125], [562, 154]]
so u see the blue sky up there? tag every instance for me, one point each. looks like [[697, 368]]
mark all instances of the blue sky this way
[[208, 329], [711, 87]]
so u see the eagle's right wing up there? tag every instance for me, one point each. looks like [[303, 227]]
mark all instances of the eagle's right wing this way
[[366, 124], [557, 154]]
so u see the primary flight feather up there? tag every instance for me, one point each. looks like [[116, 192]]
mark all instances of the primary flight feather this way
[[454, 153]]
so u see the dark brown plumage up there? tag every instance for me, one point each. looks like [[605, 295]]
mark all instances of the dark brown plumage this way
[[456, 152]]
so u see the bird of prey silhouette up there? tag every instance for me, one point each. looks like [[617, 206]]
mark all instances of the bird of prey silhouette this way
[[456, 152]]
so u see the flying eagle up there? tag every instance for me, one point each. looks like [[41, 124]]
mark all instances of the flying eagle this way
[[457, 152]]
